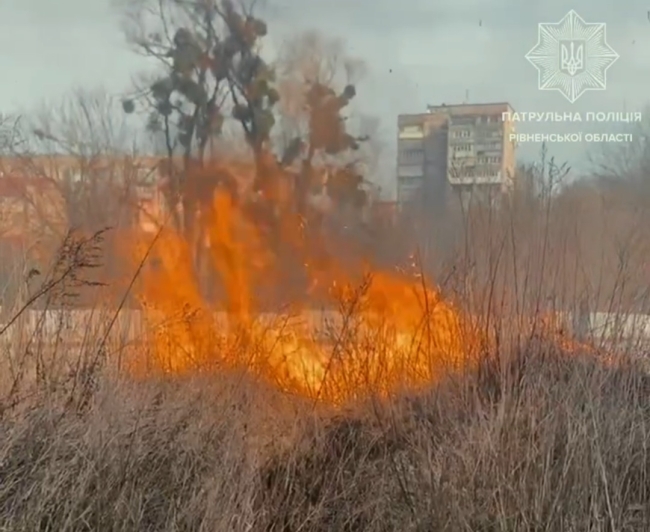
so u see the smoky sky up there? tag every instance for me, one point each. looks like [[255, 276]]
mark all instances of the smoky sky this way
[[418, 52]]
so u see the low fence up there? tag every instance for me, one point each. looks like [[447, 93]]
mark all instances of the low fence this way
[[77, 325], [612, 328], [127, 326]]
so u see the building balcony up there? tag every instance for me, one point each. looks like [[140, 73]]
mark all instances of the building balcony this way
[[494, 179]]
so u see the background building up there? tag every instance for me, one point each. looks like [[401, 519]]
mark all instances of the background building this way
[[454, 150]]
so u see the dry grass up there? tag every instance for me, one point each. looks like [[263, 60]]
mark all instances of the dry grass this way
[[533, 439], [540, 440]]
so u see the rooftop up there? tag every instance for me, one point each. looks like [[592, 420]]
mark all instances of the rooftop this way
[[461, 108], [466, 105]]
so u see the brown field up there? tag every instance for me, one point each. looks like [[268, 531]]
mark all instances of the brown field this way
[[533, 437]]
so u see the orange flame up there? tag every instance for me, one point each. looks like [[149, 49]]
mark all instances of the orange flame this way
[[390, 333]]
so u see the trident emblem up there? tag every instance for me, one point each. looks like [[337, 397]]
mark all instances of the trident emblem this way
[[572, 56], [563, 56]]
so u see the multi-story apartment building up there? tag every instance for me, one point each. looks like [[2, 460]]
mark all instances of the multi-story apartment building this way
[[463, 148]]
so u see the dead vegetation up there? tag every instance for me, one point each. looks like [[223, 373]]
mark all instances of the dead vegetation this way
[[538, 433], [524, 430], [535, 441]]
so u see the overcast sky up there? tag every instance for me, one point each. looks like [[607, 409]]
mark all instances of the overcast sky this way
[[419, 52]]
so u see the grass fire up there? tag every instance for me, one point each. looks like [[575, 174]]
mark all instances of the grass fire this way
[[404, 333], [212, 318]]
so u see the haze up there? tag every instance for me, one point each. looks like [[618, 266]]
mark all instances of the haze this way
[[419, 52]]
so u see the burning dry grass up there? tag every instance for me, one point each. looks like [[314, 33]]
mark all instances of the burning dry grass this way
[[424, 336], [352, 354], [536, 441], [403, 415]]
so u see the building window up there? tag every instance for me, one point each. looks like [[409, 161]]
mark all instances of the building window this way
[[490, 160], [468, 171], [411, 132], [490, 146], [462, 148], [409, 171], [413, 153]]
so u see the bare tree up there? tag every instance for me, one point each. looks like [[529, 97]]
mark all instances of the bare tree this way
[[9, 133], [317, 83], [307, 59], [85, 150], [210, 76], [78, 169], [209, 72], [370, 152], [624, 161], [14, 251]]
